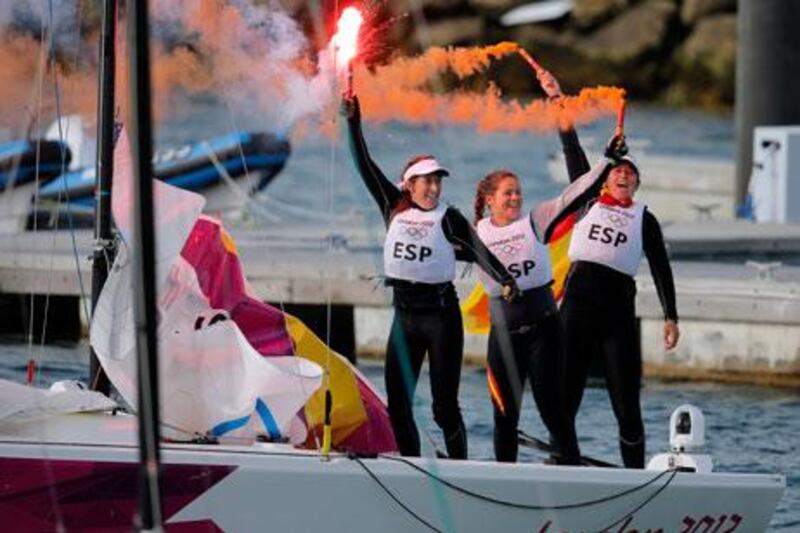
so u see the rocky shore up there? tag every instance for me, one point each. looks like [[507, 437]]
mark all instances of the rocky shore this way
[[681, 52]]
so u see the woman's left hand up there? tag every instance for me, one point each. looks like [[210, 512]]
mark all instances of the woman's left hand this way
[[671, 334]]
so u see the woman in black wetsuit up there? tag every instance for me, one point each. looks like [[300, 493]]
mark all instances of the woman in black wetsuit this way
[[525, 339], [598, 308], [423, 240]]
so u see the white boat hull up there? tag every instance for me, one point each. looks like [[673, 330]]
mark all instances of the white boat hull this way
[[55, 470]]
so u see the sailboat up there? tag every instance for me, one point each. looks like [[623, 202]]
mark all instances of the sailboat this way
[[70, 459]]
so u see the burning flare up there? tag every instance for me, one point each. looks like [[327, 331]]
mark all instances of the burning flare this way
[[346, 38]]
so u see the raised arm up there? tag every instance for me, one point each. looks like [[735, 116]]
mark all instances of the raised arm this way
[[580, 191], [577, 163], [575, 157], [383, 191], [469, 247], [546, 215]]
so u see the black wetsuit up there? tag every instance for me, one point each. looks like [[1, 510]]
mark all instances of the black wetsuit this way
[[427, 319], [525, 339], [599, 318]]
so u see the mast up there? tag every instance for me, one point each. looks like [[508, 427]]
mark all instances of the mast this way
[[104, 248], [144, 265]]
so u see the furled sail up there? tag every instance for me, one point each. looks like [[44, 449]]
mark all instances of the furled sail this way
[[211, 379]]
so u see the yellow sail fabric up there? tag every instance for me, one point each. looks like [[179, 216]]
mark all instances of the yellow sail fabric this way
[[348, 412]]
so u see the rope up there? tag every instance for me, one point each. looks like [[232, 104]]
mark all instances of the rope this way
[[518, 505], [32, 356], [394, 497], [645, 502]]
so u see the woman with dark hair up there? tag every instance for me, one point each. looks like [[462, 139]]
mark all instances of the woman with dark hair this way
[[423, 240], [598, 311]]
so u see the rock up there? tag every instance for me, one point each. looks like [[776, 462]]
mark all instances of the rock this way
[[493, 6], [694, 10], [707, 60], [438, 6], [712, 44], [588, 13], [632, 34], [454, 31], [533, 36]]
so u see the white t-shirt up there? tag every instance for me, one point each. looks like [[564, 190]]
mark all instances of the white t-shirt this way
[[416, 248], [610, 235], [517, 247]]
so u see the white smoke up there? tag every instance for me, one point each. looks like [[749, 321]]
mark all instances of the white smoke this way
[[255, 55], [254, 58], [57, 20]]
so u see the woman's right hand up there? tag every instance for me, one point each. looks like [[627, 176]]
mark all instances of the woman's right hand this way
[[616, 148], [350, 108]]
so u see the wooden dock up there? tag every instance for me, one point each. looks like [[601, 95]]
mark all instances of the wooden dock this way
[[736, 319]]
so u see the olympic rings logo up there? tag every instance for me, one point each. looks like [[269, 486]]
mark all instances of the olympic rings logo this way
[[617, 220], [416, 232], [508, 249]]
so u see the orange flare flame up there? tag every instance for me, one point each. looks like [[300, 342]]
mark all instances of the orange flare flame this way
[[398, 91]]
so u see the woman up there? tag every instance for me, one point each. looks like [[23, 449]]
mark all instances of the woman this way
[[598, 309], [525, 339], [423, 240]]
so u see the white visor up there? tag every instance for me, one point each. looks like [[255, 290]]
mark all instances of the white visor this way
[[425, 166]]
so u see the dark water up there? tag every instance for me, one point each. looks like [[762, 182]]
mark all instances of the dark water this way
[[319, 188], [747, 429]]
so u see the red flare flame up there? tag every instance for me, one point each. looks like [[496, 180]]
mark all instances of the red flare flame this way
[[346, 38]]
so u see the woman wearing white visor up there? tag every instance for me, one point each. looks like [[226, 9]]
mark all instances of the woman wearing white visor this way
[[423, 240]]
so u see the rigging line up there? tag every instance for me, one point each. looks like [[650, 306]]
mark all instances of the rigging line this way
[[49, 472], [226, 177], [329, 244], [645, 502], [38, 84], [242, 195], [235, 126], [294, 348], [518, 505], [394, 497], [73, 240]]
